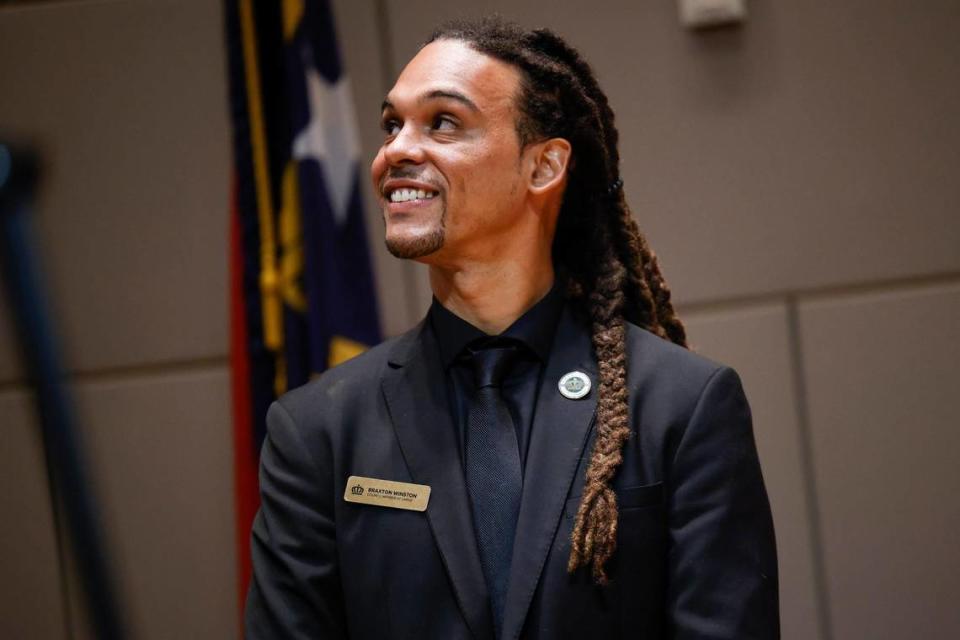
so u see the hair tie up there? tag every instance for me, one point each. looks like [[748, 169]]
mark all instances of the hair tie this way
[[616, 186]]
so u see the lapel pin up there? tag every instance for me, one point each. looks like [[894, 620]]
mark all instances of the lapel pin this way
[[574, 385]]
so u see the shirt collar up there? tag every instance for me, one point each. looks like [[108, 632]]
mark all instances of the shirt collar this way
[[535, 328]]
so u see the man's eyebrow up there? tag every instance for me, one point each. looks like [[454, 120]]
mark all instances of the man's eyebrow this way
[[438, 94], [450, 95]]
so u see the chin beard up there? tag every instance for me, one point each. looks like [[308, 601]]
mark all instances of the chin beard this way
[[409, 249]]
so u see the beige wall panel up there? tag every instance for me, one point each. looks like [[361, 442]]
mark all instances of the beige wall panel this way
[[128, 102], [802, 150], [882, 381], [161, 457], [31, 604], [755, 341]]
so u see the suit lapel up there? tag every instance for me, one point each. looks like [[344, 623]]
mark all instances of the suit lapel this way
[[415, 390], [560, 429]]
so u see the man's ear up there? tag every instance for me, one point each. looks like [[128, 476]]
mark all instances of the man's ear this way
[[550, 165]]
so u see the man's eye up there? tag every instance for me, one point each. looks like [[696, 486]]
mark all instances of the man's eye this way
[[444, 123], [390, 127]]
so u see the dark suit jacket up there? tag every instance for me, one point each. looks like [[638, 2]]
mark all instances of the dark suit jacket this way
[[695, 553]]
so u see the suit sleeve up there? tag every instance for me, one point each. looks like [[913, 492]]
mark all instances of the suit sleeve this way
[[295, 590], [722, 561]]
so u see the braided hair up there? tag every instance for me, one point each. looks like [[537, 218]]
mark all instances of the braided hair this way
[[611, 280]]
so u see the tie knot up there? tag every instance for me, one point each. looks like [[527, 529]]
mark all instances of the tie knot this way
[[491, 363]]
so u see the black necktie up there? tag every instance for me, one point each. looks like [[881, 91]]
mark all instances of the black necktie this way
[[492, 467]]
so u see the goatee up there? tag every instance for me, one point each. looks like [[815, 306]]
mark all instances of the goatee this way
[[411, 248]]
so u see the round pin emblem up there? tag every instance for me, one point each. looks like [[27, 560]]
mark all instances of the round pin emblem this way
[[574, 385]]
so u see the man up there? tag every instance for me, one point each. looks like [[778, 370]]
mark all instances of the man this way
[[588, 477]]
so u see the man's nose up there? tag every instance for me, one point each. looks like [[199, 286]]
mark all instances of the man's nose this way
[[405, 148]]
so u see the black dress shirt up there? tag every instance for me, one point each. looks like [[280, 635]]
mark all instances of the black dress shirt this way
[[533, 331]]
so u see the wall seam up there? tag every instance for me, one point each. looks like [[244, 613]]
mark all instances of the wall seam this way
[[124, 373], [818, 293], [801, 404]]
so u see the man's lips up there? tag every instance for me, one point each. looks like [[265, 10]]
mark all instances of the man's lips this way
[[402, 191], [408, 206]]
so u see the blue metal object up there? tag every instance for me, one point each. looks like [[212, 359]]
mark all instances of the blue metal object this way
[[21, 277]]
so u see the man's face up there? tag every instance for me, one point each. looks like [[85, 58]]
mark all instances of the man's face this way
[[448, 175]]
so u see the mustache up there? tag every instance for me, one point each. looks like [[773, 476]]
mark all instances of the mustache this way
[[407, 173]]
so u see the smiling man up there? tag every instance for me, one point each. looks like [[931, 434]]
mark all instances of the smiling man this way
[[541, 457]]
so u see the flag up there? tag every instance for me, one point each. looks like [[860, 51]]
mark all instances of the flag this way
[[302, 292]]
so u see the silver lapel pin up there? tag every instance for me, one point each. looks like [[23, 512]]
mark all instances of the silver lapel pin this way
[[574, 385]]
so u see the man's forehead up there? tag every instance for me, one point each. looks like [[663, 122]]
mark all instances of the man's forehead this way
[[452, 66]]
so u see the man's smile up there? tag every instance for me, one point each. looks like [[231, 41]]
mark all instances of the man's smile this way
[[403, 195], [408, 195]]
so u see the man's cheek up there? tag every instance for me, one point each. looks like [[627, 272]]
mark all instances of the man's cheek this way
[[376, 171]]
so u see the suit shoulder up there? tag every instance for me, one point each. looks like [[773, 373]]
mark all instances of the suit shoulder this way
[[347, 382], [667, 383], [660, 364]]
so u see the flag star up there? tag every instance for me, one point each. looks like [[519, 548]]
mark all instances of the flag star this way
[[330, 138]]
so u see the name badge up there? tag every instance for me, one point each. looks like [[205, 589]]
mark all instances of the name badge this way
[[387, 493]]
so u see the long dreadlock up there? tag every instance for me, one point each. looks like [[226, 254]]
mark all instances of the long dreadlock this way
[[615, 278]]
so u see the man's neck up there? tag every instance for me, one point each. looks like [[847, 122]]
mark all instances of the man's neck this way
[[491, 297]]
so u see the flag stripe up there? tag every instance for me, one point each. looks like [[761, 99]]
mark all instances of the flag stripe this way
[[272, 327], [246, 496]]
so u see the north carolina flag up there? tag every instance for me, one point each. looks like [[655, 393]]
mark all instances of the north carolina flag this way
[[302, 293]]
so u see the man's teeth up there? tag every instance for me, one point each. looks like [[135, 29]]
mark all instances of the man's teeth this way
[[403, 195]]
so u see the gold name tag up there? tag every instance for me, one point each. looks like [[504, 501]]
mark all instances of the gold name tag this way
[[386, 493]]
